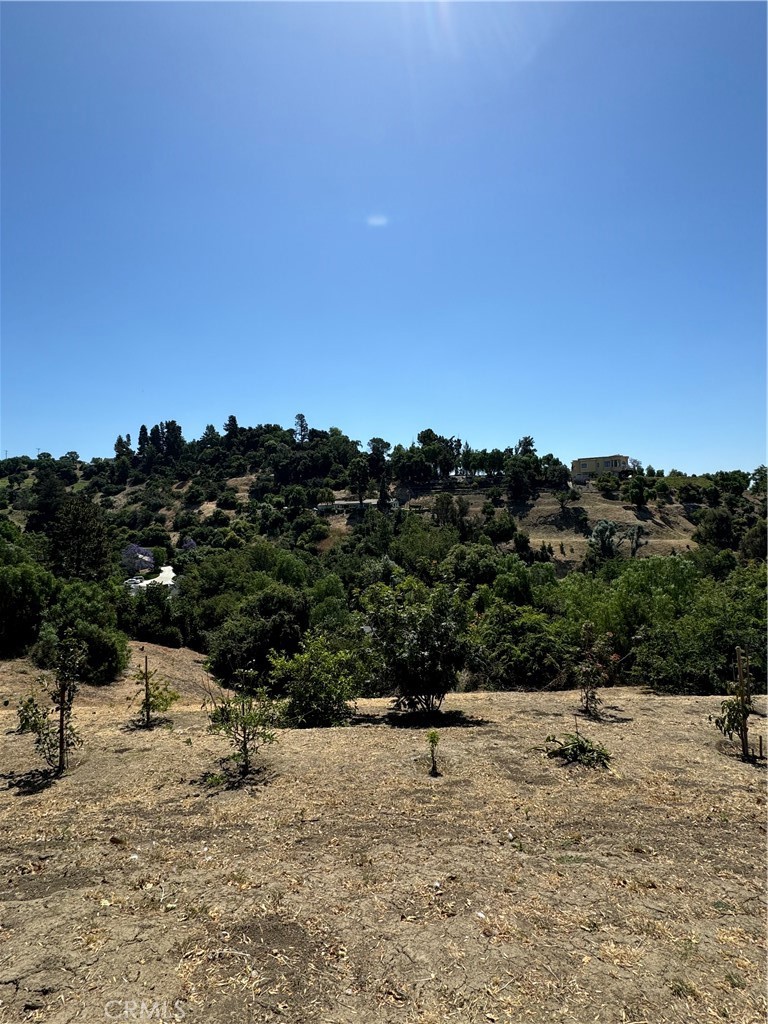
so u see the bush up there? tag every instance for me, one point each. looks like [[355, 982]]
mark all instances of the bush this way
[[105, 652], [418, 635], [318, 682]]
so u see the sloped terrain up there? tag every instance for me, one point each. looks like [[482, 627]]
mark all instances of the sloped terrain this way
[[344, 883]]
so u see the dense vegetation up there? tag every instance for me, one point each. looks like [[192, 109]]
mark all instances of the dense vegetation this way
[[404, 601]]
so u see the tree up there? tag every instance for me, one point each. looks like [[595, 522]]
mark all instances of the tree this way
[[80, 543], [634, 535], [759, 478], [318, 681], [157, 697], [377, 460], [26, 591], [246, 719], [525, 446], [608, 485], [715, 527], [301, 431], [605, 539], [54, 739], [359, 477], [418, 635], [634, 490], [564, 497]]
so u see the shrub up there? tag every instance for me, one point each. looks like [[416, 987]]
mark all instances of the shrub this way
[[419, 637], [318, 682], [105, 651]]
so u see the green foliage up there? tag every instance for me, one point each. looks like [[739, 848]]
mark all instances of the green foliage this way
[[30, 715], [433, 739], [634, 491], [318, 682], [605, 540], [50, 718], [419, 546], [691, 653], [577, 749], [26, 591], [715, 527], [87, 612], [595, 668], [472, 565], [246, 718], [736, 709], [519, 648], [418, 635], [80, 540], [157, 695]]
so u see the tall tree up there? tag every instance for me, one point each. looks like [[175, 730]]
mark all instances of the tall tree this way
[[80, 547], [359, 477], [301, 431]]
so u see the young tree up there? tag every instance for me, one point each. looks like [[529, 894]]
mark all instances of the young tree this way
[[157, 697], [246, 718], [55, 735]]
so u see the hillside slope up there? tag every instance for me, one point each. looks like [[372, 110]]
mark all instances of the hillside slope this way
[[345, 884]]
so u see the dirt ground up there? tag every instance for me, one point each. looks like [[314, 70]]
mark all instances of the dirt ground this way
[[345, 884]]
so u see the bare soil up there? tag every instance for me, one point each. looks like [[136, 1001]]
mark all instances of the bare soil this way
[[343, 883]]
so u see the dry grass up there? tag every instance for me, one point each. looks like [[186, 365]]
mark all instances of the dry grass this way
[[344, 883]]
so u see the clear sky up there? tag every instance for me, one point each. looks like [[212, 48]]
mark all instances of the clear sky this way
[[488, 219]]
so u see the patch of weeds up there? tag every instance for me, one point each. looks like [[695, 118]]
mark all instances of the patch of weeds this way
[[735, 980], [577, 749], [683, 989], [214, 779], [722, 905]]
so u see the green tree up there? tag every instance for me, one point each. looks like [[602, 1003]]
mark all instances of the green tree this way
[[319, 682], [157, 695], [80, 540], [634, 490], [301, 429], [359, 477], [26, 591], [418, 635], [55, 735], [246, 718]]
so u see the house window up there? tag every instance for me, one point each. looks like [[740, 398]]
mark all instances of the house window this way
[[583, 465]]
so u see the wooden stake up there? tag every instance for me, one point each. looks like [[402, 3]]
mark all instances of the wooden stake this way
[[743, 731], [146, 693]]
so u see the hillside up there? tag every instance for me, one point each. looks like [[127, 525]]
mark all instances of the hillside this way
[[345, 884]]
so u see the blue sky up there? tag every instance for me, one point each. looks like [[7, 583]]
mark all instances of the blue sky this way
[[488, 219]]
